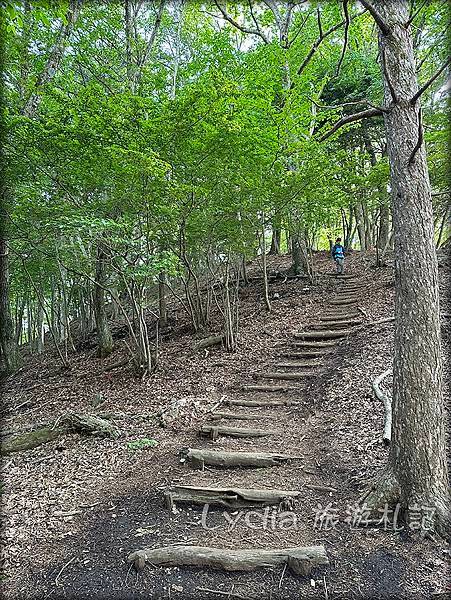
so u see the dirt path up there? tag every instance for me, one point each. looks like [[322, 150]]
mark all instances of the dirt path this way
[[329, 419]]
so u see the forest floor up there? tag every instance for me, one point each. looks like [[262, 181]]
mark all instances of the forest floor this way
[[73, 509]]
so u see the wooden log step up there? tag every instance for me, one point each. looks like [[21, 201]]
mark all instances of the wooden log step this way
[[315, 344], [263, 388], [217, 458], [229, 497], [312, 354], [214, 431], [218, 415], [259, 402], [338, 315], [342, 302], [346, 297], [301, 560], [325, 334], [296, 364], [339, 323], [288, 376]]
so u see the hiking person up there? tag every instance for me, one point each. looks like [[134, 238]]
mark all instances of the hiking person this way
[[338, 254]]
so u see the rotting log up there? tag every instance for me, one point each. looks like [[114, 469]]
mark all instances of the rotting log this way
[[287, 376], [214, 431], [213, 340], [30, 439], [230, 497], [217, 458], [301, 560], [89, 424], [325, 334], [217, 416], [68, 423], [385, 398]]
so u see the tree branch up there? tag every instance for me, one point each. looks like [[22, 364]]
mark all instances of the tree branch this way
[[420, 137], [153, 35], [322, 36], [262, 35], [385, 29], [388, 80], [345, 104], [416, 13], [364, 114], [54, 59], [346, 32], [242, 28], [429, 82], [301, 26]]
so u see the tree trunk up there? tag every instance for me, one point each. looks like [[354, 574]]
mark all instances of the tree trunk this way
[[54, 58], [384, 225], [296, 256], [128, 44], [360, 226], [104, 339], [264, 267], [275, 239], [163, 311], [8, 346], [417, 473]]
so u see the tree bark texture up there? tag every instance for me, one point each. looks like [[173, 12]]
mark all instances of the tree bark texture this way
[[417, 453]]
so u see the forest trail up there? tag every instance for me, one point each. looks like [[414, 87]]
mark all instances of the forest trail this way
[[327, 420]]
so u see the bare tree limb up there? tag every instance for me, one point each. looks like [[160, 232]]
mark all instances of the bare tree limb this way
[[413, 16], [429, 82], [388, 80], [242, 28], [346, 34], [322, 36], [364, 114], [383, 26], [262, 35], [420, 138], [320, 26], [345, 104], [301, 27]]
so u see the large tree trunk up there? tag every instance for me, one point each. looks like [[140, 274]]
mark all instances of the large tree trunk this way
[[104, 339], [8, 347], [417, 473]]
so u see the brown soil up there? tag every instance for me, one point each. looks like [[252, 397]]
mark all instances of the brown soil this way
[[73, 509]]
